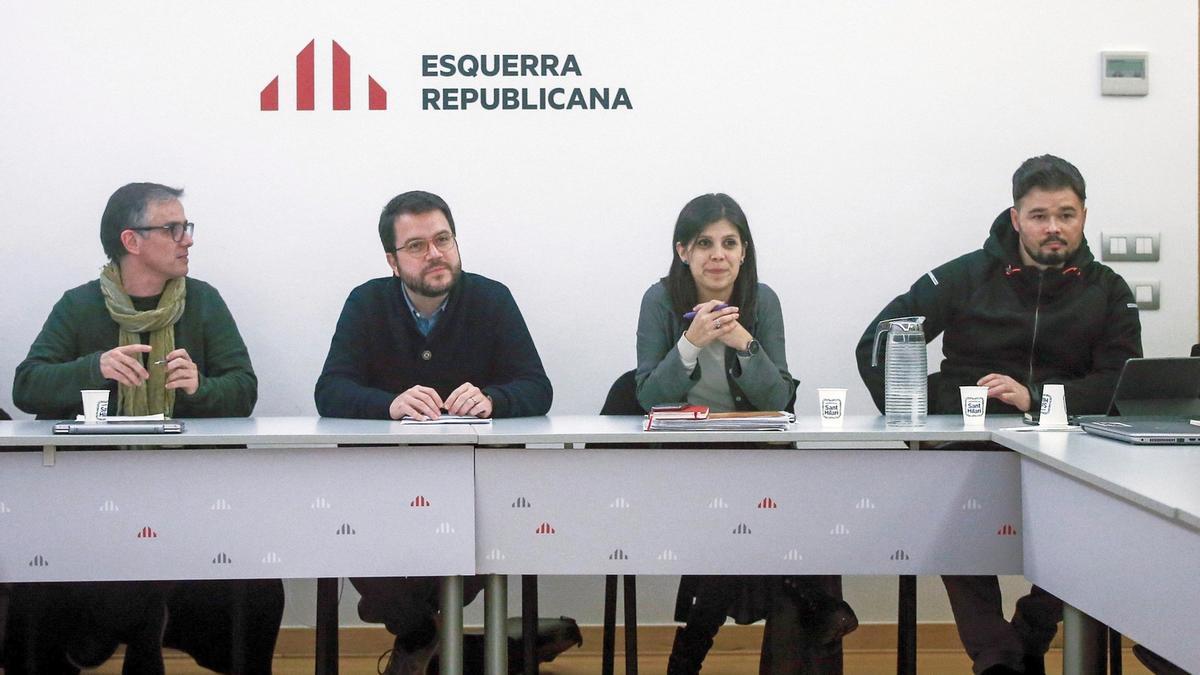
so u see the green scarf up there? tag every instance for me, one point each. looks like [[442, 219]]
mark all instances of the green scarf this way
[[152, 396]]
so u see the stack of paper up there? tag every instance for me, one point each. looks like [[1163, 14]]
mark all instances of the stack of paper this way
[[729, 421], [448, 419]]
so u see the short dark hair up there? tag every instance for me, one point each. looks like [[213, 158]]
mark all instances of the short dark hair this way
[[127, 208], [1047, 172], [696, 215], [415, 202]]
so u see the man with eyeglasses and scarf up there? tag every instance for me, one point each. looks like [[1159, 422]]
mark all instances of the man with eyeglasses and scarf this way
[[427, 341], [160, 342]]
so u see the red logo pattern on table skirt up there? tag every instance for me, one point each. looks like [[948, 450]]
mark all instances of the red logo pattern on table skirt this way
[[1007, 530], [146, 533], [545, 528], [419, 502], [767, 503]]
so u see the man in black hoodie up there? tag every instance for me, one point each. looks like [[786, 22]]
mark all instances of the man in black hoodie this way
[[1033, 306]]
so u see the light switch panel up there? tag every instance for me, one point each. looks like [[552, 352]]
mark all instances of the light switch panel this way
[[1146, 294], [1129, 246]]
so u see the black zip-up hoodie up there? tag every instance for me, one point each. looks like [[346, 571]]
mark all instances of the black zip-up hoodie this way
[[1074, 325]]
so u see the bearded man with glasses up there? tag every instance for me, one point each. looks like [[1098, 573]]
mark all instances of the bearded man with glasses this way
[[160, 342], [426, 341]]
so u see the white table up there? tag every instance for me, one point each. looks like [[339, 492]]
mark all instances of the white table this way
[[291, 504], [1114, 530], [684, 509], [1092, 509]]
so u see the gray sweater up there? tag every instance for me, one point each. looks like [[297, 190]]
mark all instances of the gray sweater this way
[[760, 382]]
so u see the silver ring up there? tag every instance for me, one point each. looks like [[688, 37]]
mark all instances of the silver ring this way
[[472, 399], [717, 323]]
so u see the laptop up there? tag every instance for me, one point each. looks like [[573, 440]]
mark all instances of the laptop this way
[[1153, 403], [1145, 430], [1158, 387], [125, 427]]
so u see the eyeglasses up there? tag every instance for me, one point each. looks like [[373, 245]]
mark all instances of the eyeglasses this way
[[418, 248], [177, 230]]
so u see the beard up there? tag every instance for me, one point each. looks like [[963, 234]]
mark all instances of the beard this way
[[1049, 257], [417, 283]]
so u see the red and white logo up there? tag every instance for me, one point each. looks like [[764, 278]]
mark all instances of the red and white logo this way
[[268, 98], [1007, 530], [418, 502], [545, 528], [767, 503], [147, 533]]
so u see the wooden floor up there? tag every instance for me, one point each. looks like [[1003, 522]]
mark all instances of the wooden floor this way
[[588, 663]]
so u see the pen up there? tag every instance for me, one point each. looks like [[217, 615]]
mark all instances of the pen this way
[[692, 314]]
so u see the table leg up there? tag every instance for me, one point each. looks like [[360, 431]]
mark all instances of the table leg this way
[[529, 622], [1114, 653], [608, 647], [495, 629], [906, 631], [1084, 641], [631, 662], [327, 626], [451, 660], [238, 628]]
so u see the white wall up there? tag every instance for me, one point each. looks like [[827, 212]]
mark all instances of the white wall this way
[[867, 142]]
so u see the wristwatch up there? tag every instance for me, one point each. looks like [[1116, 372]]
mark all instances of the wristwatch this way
[[752, 348]]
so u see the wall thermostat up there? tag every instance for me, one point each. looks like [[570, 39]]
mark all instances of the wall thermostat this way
[[1124, 73]]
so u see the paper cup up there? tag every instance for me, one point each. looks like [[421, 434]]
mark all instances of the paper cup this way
[[95, 404], [832, 404], [1054, 406], [974, 405]]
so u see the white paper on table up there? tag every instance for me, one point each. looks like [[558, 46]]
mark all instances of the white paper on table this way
[[449, 419]]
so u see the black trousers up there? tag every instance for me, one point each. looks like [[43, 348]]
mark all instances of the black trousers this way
[[202, 617], [750, 598], [986, 635]]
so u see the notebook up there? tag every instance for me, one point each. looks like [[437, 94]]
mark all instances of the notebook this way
[[1145, 430]]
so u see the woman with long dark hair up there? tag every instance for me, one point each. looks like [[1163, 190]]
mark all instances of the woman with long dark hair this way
[[710, 334]]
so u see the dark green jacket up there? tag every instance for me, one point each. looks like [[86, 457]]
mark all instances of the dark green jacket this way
[[65, 357]]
